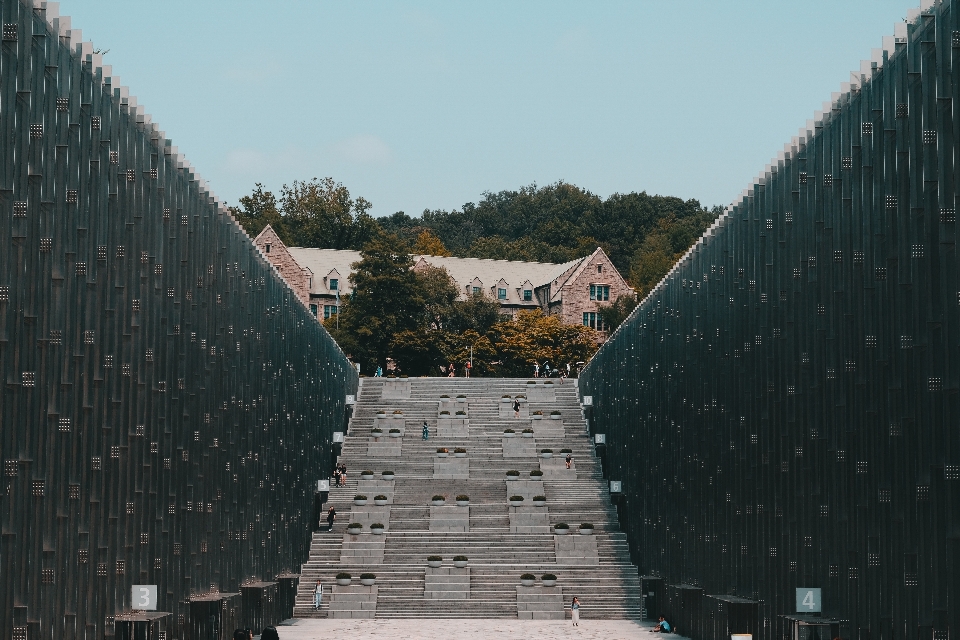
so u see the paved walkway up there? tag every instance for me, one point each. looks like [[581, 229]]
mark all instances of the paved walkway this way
[[445, 629]]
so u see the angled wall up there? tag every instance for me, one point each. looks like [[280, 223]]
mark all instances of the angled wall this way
[[167, 402], [783, 408]]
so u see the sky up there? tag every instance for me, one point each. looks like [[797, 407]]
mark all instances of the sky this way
[[427, 105]]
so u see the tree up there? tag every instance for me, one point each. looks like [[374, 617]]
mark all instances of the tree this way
[[321, 213], [430, 245], [385, 302], [534, 337], [257, 210], [440, 293], [476, 313], [616, 313]]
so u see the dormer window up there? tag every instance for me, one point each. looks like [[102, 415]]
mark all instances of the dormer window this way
[[527, 295], [334, 284], [501, 294], [476, 290], [599, 268], [268, 247]]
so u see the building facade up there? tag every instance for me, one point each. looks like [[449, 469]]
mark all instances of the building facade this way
[[574, 290]]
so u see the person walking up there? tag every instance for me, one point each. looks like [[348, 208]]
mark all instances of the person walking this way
[[516, 407], [336, 476], [317, 596], [343, 474], [331, 516], [568, 369], [575, 611], [426, 431]]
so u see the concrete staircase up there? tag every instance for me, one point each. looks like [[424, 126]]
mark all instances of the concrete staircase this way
[[500, 540]]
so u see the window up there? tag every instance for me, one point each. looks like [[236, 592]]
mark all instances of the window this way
[[268, 247], [329, 310], [527, 295], [501, 294], [334, 284], [476, 290], [594, 321], [599, 292], [599, 268], [313, 310]]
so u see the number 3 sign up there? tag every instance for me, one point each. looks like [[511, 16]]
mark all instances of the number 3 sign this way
[[808, 601], [144, 597]]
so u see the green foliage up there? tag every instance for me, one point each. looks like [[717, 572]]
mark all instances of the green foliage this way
[[386, 302], [314, 213], [615, 313]]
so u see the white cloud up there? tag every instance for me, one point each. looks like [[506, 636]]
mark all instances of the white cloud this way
[[363, 149], [255, 162]]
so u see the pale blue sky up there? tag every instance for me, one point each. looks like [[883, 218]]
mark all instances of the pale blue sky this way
[[418, 105]]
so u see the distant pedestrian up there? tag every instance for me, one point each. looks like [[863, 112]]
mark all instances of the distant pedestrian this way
[[575, 611], [569, 460], [516, 408], [379, 373], [562, 375], [269, 633], [317, 596], [546, 369], [466, 369], [536, 369], [336, 477], [451, 371], [568, 369], [426, 431], [331, 516], [343, 474]]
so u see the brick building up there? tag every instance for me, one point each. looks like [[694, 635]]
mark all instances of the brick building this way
[[574, 290]]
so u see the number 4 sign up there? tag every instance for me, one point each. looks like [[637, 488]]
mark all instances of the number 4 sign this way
[[144, 597], [808, 601]]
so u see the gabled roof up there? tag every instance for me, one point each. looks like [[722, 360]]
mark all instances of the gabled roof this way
[[322, 261], [464, 270], [573, 273]]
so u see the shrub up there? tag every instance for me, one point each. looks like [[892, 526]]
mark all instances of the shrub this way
[[403, 375], [443, 450], [354, 525], [459, 450], [461, 413], [509, 431], [463, 497], [377, 430], [586, 525], [516, 498], [531, 382], [519, 396], [435, 558], [546, 450], [394, 430], [566, 450], [460, 558], [344, 576], [513, 472], [443, 395], [546, 576], [387, 473], [377, 525], [536, 473], [439, 497], [540, 498], [381, 412], [538, 413], [367, 473], [561, 525], [554, 413], [528, 430], [380, 497], [528, 576], [398, 412], [444, 413], [461, 395], [359, 496], [367, 576], [506, 395]]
